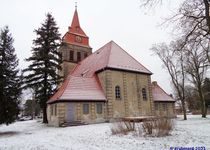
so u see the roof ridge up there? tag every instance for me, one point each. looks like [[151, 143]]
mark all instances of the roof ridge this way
[[110, 47]]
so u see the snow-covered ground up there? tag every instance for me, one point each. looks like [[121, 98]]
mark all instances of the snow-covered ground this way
[[32, 135]]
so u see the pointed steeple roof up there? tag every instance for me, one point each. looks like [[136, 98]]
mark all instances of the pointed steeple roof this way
[[75, 20], [75, 25], [75, 34]]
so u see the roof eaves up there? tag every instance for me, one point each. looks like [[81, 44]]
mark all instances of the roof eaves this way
[[168, 101], [126, 70], [76, 100]]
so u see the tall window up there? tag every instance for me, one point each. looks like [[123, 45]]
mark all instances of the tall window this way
[[164, 107], [99, 108], [78, 56], [85, 108], [55, 109], [117, 92], [144, 94], [156, 106], [51, 108], [85, 55], [71, 56]]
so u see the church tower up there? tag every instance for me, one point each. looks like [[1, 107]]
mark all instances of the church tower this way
[[75, 46]]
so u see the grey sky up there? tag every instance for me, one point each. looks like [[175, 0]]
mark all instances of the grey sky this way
[[134, 29]]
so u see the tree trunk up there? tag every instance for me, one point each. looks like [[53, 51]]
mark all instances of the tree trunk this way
[[206, 4], [184, 110], [203, 104], [203, 109], [45, 115], [206, 108]]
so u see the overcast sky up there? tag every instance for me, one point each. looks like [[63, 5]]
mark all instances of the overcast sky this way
[[122, 21]]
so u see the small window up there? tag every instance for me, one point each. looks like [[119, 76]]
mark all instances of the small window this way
[[85, 55], [117, 92], [164, 107], [99, 108], [78, 56], [144, 94], [71, 56], [156, 106], [51, 108], [85, 108], [55, 109]]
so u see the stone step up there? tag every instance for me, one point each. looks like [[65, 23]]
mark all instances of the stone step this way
[[73, 123]]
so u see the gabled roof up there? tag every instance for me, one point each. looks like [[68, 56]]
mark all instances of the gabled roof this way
[[159, 95], [83, 83], [110, 56]]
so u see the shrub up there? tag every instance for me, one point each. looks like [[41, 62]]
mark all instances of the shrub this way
[[158, 127], [121, 127]]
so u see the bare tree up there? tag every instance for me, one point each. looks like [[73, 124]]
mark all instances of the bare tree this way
[[196, 67], [195, 12], [191, 21], [173, 61], [191, 97]]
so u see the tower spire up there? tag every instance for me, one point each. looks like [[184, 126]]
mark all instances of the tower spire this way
[[75, 20], [75, 33], [75, 25], [75, 5]]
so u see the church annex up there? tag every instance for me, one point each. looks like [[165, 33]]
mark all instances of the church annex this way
[[103, 85]]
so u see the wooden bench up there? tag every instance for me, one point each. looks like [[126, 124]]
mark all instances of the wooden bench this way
[[133, 120]]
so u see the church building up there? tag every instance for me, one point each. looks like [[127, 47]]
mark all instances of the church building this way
[[103, 85]]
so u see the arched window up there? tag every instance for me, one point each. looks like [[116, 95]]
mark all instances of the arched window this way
[[144, 94], [117, 92]]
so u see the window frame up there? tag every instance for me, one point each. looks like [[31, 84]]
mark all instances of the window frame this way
[[71, 55], [55, 111], [51, 110], [99, 111], [85, 54], [117, 92], [79, 56], [164, 107], [87, 110], [144, 94], [156, 107]]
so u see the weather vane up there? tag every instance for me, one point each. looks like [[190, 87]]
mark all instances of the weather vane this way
[[76, 5]]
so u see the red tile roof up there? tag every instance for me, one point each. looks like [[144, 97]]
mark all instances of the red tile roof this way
[[83, 84], [109, 56], [159, 94], [75, 25], [79, 89], [75, 30]]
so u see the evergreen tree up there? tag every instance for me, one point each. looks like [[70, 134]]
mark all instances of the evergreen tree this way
[[9, 80], [42, 73]]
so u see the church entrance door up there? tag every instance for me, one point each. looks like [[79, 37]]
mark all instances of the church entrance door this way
[[70, 112]]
